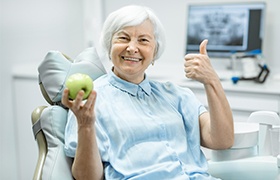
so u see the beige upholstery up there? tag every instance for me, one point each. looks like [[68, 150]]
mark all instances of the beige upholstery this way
[[41, 141], [49, 125]]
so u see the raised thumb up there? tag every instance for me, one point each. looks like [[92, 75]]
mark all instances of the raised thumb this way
[[202, 47]]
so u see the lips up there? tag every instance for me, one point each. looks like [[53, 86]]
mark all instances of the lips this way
[[135, 59]]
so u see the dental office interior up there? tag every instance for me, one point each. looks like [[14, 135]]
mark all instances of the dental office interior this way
[[30, 28]]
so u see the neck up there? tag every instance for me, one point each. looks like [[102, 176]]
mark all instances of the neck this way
[[134, 78]]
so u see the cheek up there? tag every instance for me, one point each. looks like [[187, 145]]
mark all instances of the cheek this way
[[113, 51], [152, 52], [153, 49]]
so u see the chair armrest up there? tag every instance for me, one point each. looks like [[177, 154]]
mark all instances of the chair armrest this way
[[41, 141]]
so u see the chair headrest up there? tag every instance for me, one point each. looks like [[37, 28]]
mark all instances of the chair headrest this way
[[57, 67]]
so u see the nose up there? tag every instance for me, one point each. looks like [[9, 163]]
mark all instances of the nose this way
[[132, 47]]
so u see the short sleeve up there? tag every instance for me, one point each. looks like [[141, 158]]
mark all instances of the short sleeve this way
[[71, 138], [71, 135]]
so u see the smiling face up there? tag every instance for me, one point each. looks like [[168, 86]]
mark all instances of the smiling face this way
[[132, 51]]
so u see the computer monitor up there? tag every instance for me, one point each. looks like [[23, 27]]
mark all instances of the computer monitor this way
[[228, 27]]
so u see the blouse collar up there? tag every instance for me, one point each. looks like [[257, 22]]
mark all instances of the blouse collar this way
[[129, 87]]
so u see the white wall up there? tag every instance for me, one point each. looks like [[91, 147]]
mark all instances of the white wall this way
[[30, 28]]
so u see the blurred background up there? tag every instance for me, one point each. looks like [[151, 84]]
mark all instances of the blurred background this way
[[30, 28]]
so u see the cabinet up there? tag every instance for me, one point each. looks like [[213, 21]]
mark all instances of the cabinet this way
[[244, 97]]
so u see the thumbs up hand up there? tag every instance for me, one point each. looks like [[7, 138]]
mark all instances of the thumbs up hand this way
[[198, 66]]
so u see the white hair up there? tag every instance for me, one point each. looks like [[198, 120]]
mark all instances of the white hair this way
[[132, 15]]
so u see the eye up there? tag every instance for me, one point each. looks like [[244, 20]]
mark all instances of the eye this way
[[123, 38], [144, 40]]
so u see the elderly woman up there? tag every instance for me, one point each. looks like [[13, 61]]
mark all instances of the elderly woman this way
[[132, 127]]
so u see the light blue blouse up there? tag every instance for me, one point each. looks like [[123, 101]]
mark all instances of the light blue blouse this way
[[145, 131]]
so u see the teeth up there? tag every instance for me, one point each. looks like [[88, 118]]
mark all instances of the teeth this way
[[131, 59]]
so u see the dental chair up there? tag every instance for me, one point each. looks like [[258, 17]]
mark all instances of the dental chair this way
[[49, 121], [49, 124], [251, 156]]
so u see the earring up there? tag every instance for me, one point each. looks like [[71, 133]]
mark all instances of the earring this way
[[153, 62]]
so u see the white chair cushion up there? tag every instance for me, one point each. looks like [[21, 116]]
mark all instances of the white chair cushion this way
[[56, 68], [57, 165], [53, 72]]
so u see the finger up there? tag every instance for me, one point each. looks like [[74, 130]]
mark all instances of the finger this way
[[188, 74], [91, 100], [190, 56], [93, 93], [187, 63], [65, 99], [80, 95], [202, 47], [78, 100]]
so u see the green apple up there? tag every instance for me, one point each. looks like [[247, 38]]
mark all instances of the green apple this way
[[77, 82]]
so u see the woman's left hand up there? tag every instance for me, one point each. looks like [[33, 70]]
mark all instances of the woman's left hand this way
[[198, 66]]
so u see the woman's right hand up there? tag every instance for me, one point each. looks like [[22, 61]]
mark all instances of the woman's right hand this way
[[87, 162], [83, 110]]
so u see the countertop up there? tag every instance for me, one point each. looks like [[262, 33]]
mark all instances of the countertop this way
[[164, 73]]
